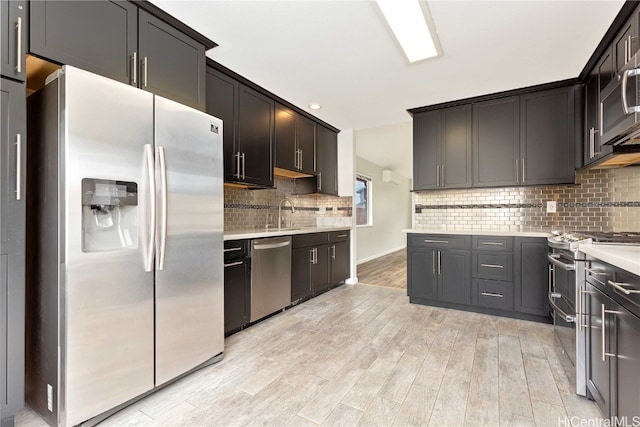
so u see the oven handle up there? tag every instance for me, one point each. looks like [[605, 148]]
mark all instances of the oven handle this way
[[566, 317], [553, 259]]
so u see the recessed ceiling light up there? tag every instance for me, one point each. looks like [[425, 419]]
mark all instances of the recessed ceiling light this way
[[315, 106], [408, 21]]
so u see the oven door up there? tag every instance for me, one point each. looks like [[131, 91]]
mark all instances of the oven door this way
[[619, 104], [562, 297]]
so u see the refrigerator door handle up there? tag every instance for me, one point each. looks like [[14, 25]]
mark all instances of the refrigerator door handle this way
[[148, 262], [162, 233]]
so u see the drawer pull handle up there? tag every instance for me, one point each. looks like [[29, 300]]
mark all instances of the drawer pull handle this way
[[492, 265], [621, 287], [233, 249], [342, 235], [233, 264], [493, 243], [436, 241], [492, 294]]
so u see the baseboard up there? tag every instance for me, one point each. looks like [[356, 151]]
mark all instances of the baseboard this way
[[372, 257]]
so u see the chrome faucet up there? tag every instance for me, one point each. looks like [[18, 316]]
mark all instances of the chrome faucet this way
[[286, 199]]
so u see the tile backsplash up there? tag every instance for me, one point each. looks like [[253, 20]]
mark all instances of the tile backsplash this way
[[255, 209], [601, 200]]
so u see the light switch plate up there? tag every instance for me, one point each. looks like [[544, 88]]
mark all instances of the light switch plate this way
[[551, 207]]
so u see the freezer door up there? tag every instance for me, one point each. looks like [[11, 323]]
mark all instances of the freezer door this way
[[189, 261], [107, 297]]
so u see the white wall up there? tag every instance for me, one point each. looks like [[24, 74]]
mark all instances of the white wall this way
[[391, 213]]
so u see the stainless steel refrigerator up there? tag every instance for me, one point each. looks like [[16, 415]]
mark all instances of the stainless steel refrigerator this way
[[125, 230]]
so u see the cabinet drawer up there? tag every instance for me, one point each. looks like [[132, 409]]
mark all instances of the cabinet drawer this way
[[492, 265], [234, 249], [490, 294], [444, 241], [493, 243], [311, 239], [339, 236]]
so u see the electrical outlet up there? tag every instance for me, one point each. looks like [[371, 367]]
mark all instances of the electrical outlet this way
[[551, 207]]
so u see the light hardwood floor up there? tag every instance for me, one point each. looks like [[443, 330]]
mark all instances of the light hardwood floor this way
[[362, 355], [388, 270]]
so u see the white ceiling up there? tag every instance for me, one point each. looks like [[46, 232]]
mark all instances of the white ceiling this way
[[342, 55]]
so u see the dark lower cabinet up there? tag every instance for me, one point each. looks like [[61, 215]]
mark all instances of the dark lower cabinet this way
[[236, 294], [444, 270], [531, 275], [13, 33], [340, 261], [455, 276], [237, 285], [320, 278], [301, 273], [13, 154], [613, 349]]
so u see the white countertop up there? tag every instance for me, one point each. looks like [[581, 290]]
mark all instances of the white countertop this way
[[477, 232], [262, 233], [626, 257]]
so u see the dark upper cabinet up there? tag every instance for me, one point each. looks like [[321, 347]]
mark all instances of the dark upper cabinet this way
[[116, 40], [306, 145], [222, 102], [295, 138], [13, 31], [547, 137], [625, 43], [254, 143], [287, 154], [442, 149], [327, 160], [496, 142], [12, 244], [426, 137], [172, 64], [599, 77], [531, 275], [97, 36]]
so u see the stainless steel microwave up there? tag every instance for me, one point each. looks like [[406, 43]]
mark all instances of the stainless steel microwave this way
[[620, 107]]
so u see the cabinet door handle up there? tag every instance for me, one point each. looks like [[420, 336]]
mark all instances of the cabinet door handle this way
[[333, 252], [492, 294], [232, 249], [433, 262], [604, 313], [595, 272], [438, 176], [145, 66], [19, 45], [523, 172], [134, 69], [517, 173], [237, 173], [439, 263], [233, 264], [342, 235], [436, 241], [630, 49], [442, 173], [301, 162], [621, 287], [626, 51], [493, 243], [243, 166], [18, 166], [319, 181], [492, 265]]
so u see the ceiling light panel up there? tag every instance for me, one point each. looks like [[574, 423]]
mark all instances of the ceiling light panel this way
[[407, 21]]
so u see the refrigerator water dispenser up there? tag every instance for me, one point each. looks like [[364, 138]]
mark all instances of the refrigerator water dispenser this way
[[109, 215]]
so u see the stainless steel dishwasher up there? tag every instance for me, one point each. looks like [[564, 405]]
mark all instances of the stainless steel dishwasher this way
[[270, 276]]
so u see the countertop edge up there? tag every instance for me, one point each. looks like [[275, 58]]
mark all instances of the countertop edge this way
[[260, 234], [622, 256], [477, 232]]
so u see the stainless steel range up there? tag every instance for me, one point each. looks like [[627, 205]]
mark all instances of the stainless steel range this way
[[566, 286]]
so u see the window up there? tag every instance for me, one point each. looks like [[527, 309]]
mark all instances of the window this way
[[364, 214]]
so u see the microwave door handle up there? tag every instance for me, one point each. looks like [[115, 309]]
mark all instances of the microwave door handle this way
[[625, 76]]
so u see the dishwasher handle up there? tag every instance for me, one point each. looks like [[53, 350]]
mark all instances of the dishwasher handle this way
[[260, 246]]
